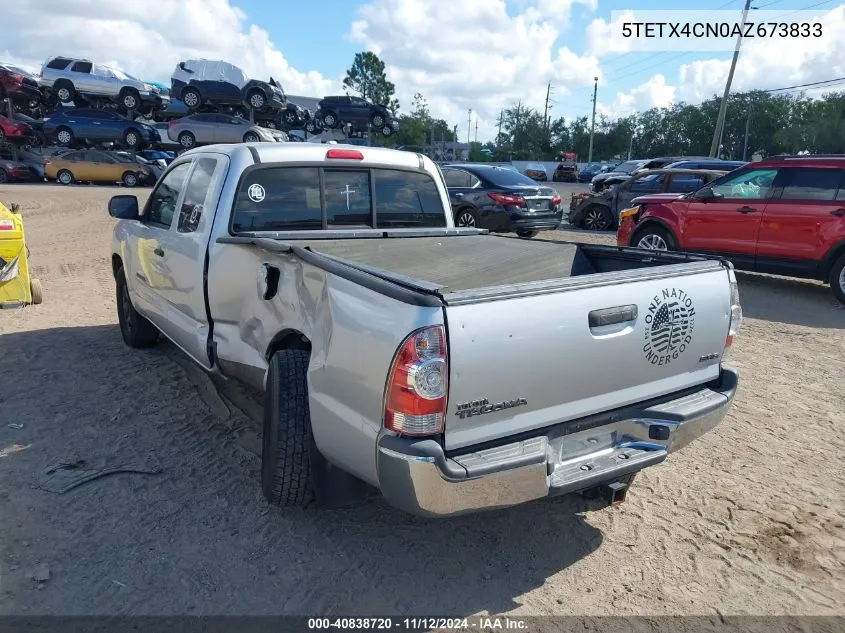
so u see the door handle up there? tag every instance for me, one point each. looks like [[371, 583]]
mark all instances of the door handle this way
[[611, 316], [459, 195], [159, 252], [747, 210], [839, 213]]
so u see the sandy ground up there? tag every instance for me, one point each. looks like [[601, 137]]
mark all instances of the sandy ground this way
[[748, 520]]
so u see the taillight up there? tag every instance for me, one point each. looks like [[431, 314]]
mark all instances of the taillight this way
[[556, 200], [415, 398], [736, 312], [507, 199], [352, 154]]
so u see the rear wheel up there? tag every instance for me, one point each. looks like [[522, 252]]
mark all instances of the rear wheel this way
[[377, 121], [527, 234], [654, 238], [257, 100], [191, 98], [387, 130], [187, 140], [64, 136], [287, 442], [311, 127], [130, 179], [132, 138], [837, 279], [290, 117], [137, 331], [330, 120], [597, 218], [35, 290], [65, 177], [130, 99], [251, 137], [65, 92], [466, 218]]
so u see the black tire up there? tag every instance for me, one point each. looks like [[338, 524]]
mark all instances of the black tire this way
[[251, 137], [527, 234], [837, 279], [65, 92], [187, 140], [290, 118], [311, 128], [130, 179], [36, 291], [133, 139], [466, 217], [387, 131], [654, 234], [330, 120], [240, 112], [4, 177], [65, 177], [597, 218], [64, 136], [130, 99], [377, 120], [287, 443], [191, 98], [256, 100], [137, 331]]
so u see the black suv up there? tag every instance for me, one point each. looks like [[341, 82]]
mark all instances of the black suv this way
[[335, 111]]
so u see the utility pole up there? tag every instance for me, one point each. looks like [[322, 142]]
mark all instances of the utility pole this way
[[593, 124], [720, 121], [747, 124], [631, 144], [501, 116], [546, 112], [469, 125], [455, 143]]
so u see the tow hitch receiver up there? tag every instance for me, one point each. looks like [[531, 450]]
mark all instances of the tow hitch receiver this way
[[614, 493]]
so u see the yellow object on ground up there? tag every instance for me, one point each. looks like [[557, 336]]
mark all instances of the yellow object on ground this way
[[17, 288]]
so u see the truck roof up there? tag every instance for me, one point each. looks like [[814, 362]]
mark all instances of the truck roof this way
[[314, 152]]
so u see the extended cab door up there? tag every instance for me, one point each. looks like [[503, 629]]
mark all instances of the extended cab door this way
[[183, 263], [801, 220], [147, 273], [729, 223]]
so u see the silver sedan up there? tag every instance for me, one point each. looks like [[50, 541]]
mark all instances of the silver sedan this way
[[205, 129]]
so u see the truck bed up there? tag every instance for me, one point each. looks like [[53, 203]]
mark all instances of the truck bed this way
[[455, 264]]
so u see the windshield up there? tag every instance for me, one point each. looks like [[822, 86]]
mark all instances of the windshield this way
[[502, 177]]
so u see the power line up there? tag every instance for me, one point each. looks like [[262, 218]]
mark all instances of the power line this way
[[814, 83], [812, 6]]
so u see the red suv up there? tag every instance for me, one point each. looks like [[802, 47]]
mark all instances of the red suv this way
[[784, 216], [19, 85], [16, 131]]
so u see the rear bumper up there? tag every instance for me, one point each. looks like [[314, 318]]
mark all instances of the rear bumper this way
[[546, 222], [418, 477]]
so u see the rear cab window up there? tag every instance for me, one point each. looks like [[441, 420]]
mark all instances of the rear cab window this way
[[811, 183], [314, 198]]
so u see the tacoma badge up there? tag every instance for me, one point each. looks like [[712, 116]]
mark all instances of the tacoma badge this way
[[482, 406]]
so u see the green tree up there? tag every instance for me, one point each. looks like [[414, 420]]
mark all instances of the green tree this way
[[367, 78]]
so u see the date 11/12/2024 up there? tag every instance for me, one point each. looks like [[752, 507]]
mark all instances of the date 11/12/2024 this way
[[480, 623], [701, 30]]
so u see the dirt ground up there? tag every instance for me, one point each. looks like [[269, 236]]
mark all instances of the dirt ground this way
[[748, 520]]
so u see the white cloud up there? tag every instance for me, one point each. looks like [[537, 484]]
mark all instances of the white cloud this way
[[148, 39], [653, 93], [603, 37], [475, 54]]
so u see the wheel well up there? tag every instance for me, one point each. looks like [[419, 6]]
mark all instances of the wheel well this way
[[126, 89], [116, 264], [830, 259], [288, 339], [647, 224]]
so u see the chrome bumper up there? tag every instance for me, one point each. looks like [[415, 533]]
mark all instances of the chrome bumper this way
[[418, 477]]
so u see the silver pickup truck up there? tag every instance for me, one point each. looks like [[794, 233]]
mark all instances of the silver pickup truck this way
[[451, 369]]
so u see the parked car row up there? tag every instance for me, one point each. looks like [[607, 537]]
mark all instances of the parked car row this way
[[783, 216]]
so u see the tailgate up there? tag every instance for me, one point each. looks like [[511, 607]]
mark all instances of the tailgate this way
[[527, 362]]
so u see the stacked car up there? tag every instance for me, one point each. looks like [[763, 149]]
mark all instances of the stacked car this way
[[336, 111]]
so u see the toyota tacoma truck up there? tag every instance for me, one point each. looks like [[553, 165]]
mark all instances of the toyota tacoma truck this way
[[451, 369]]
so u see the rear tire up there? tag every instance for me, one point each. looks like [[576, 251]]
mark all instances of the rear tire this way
[[597, 218], [187, 140], [137, 331], [256, 100], [131, 100], [36, 291], [330, 120], [287, 442], [654, 238], [527, 234], [132, 138], [191, 98], [64, 177], [65, 92], [466, 218], [130, 179], [64, 137], [251, 137], [837, 279]]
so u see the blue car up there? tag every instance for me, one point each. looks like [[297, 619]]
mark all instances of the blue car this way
[[72, 125]]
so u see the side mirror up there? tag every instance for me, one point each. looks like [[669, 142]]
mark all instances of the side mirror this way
[[124, 207], [704, 194]]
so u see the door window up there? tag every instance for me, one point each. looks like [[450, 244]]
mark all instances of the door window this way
[[162, 204], [198, 188], [752, 184], [59, 63], [82, 67], [649, 183], [684, 183], [457, 178], [810, 183]]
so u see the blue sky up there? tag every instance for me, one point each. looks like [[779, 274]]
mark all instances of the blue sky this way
[[460, 54]]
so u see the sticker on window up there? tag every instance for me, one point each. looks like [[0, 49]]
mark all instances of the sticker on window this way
[[256, 193]]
